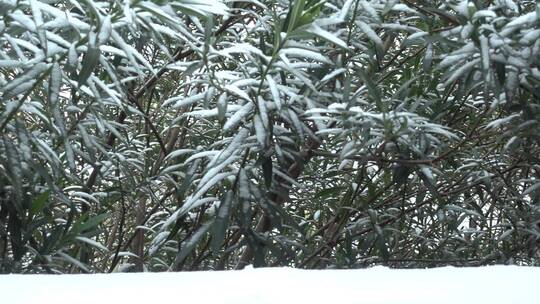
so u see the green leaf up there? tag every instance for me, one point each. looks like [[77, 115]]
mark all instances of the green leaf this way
[[330, 192], [190, 244], [89, 63], [267, 167], [92, 243], [51, 240], [73, 261], [316, 30], [381, 245], [400, 174], [94, 221], [500, 70], [313, 11], [82, 225], [219, 227], [14, 227], [54, 84], [374, 91], [222, 107], [428, 58], [430, 183], [294, 15], [39, 202]]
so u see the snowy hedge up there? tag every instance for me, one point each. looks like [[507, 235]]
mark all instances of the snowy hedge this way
[[197, 134]]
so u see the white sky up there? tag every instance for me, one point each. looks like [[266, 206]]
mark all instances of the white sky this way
[[495, 284]]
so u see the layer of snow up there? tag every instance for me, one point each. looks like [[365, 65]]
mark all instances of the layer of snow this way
[[496, 284]]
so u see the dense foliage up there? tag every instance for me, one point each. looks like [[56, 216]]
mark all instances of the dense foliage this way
[[200, 134]]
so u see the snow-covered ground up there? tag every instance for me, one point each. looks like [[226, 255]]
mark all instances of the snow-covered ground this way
[[493, 285]]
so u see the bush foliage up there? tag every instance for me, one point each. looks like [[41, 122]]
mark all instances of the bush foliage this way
[[204, 134]]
